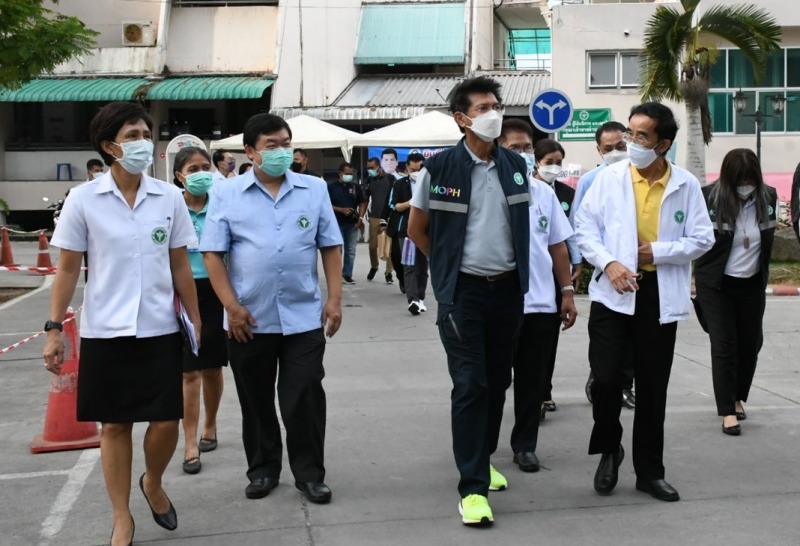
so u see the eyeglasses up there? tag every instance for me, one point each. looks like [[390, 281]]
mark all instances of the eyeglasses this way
[[628, 137], [520, 150], [485, 108]]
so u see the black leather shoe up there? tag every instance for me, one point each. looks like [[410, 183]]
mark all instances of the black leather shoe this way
[[628, 398], [169, 519], [192, 466], [588, 387], [260, 487], [316, 492], [741, 415], [735, 430], [658, 489], [605, 479], [527, 461], [372, 272]]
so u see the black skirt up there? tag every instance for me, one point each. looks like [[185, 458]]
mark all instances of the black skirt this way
[[130, 380], [213, 339]]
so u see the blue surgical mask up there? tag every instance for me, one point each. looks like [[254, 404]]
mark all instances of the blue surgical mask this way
[[277, 161], [231, 165], [347, 178], [529, 161], [198, 183], [372, 173], [137, 155]]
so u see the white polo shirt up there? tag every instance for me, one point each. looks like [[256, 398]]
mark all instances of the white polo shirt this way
[[549, 226], [129, 291]]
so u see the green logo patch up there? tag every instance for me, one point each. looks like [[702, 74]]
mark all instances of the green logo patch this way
[[159, 236], [680, 216], [770, 210], [542, 222], [519, 179], [304, 222], [565, 206]]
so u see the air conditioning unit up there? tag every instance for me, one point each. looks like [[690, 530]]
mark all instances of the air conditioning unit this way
[[137, 33]]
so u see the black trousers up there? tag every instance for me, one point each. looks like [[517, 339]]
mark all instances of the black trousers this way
[[397, 254], [734, 316], [536, 348], [479, 334], [416, 277], [611, 336], [255, 367]]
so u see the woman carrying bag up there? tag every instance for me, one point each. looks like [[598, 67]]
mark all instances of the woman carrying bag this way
[[731, 278]]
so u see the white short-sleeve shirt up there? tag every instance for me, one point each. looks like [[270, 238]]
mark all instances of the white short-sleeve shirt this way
[[549, 226], [129, 291]]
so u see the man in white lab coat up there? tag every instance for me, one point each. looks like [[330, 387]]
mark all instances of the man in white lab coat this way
[[640, 224]]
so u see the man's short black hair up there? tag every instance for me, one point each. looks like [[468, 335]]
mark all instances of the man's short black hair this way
[[414, 157], [666, 126], [110, 119], [263, 124], [389, 151], [459, 96], [219, 155], [92, 163], [300, 151], [343, 165], [608, 127], [374, 160], [517, 125]]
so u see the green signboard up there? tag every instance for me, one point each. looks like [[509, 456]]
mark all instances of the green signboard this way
[[584, 124]]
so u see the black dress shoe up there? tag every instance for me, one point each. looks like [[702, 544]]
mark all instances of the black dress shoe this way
[[260, 487], [192, 466], [628, 398], [658, 489], [527, 461], [588, 387], [169, 519], [605, 479], [735, 430], [741, 415], [316, 492]]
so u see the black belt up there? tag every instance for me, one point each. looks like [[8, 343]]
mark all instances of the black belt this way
[[490, 278], [646, 276]]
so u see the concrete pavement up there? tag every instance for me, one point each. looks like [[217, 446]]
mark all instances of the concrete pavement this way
[[389, 458]]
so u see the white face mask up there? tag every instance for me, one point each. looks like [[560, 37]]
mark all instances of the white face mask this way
[[745, 191], [413, 176], [641, 157], [548, 173], [488, 126], [614, 156]]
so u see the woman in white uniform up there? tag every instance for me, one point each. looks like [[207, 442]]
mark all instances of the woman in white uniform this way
[[136, 230]]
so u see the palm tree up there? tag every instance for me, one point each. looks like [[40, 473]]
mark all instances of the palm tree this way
[[679, 51]]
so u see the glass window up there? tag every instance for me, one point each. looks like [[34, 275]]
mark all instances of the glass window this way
[[602, 70], [746, 121], [793, 111], [721, 107], [772, 122], [740, 72], [629, 63], [773, 76], [793, 67], [718, 70]]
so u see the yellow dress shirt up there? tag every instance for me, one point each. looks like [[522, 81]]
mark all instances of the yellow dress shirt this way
[[648, 207]]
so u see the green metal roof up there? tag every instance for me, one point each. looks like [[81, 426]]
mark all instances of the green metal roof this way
[[72, 89], [415, 33], [209, 88]]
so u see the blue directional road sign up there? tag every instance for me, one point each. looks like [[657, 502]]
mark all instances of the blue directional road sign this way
[[551, 110]]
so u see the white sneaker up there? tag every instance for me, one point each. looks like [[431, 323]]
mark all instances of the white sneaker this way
[[422, 307], [413, 307]]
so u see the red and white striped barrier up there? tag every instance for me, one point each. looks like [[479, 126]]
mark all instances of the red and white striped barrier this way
[[25, 268], [34, 336]]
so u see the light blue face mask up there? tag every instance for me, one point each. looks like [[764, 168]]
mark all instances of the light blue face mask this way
[[347, 178], [530, 161], [198, 183], [277, 161], [137, 155]]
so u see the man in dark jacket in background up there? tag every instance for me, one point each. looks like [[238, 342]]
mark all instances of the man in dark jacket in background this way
[[376, 188]]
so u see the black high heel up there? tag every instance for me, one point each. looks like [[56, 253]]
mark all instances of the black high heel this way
[[167, 520], [133, 532]]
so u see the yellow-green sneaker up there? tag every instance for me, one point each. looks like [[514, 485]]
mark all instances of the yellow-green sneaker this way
[[497, 482], [475, 510]]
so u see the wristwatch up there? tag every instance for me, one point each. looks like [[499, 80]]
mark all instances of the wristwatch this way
[[568, 288], [53, 325]]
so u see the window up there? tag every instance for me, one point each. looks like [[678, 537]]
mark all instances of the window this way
[[528, 49], [220, 3], [613, 70], [732, 72]]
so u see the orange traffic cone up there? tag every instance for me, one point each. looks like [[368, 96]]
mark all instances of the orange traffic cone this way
[[6, 259], [62, 431], [43, 259]]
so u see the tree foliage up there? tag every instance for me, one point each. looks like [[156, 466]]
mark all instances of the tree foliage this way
[[35, 39], [679, 50]]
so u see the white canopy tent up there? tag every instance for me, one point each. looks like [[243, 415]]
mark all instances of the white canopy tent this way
[[429, 129], [307, 132]]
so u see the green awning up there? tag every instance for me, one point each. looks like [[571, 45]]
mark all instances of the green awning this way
[[415, 33], [209, 88], [73, 89]]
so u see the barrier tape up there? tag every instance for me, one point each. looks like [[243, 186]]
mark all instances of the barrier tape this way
[[25, 268], [37, 232], [34, 336]]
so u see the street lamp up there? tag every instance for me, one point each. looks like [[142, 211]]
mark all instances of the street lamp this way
[[740, 104]]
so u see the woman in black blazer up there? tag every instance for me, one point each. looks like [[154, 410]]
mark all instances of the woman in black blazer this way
[[732, 276]]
